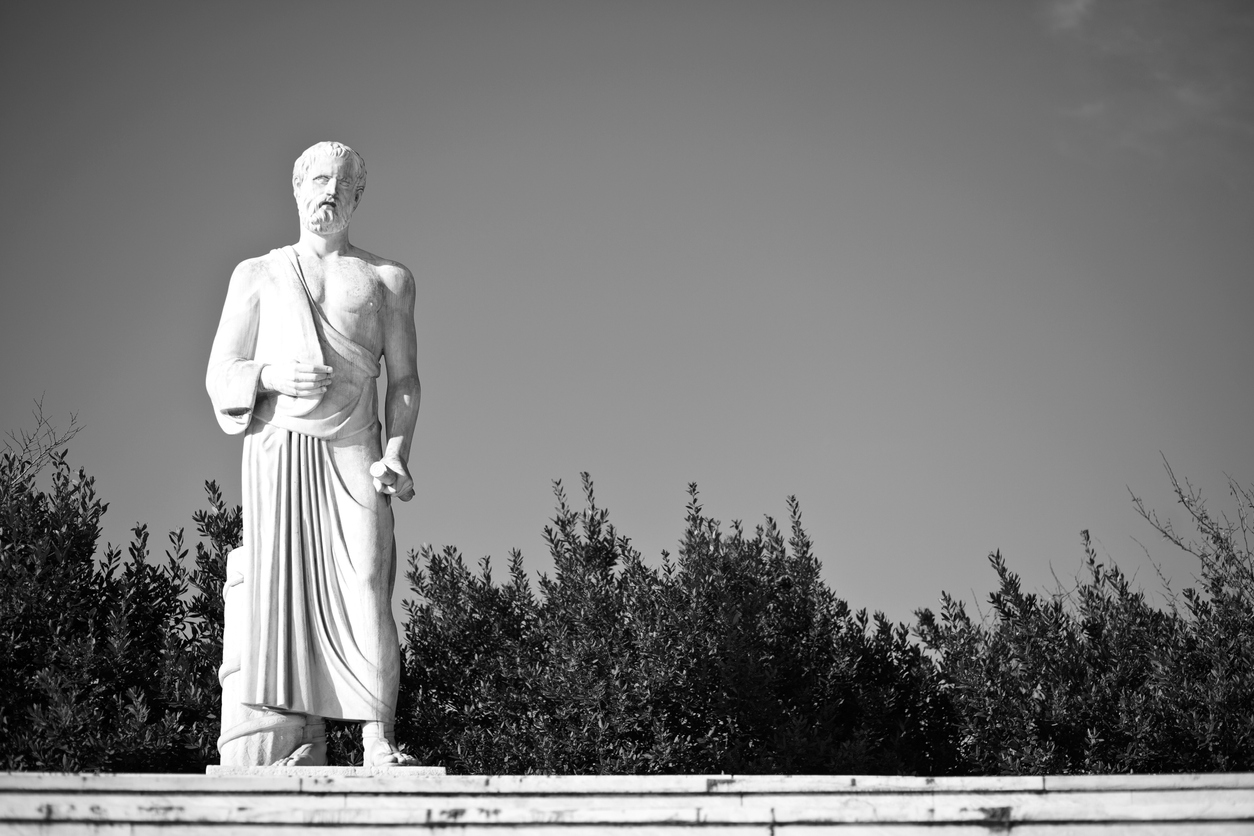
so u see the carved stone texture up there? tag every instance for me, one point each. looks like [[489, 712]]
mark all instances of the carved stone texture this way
[[294, 365]]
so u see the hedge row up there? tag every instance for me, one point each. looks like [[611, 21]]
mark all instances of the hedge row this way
[[730, 656]]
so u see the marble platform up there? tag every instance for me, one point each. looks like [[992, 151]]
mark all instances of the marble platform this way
[[327, 771], [548, 805]]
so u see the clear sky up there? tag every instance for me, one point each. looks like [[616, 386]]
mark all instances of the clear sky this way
[[954, 274]]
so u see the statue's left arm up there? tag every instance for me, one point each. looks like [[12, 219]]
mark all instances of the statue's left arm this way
[[404, 392]]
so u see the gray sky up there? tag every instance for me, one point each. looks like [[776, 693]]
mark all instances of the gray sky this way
[[955, 274]]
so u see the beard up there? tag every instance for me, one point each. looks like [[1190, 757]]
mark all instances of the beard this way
[[325, 220]]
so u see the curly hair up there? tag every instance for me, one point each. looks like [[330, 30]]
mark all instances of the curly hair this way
[[330, 149]]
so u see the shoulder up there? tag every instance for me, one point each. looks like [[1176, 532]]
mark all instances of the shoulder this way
[[395, 276], [252, 274]]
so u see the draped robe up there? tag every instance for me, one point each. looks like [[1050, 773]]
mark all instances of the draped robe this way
[[318, 556]]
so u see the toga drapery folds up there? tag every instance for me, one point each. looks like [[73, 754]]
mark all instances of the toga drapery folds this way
[[317, 563]]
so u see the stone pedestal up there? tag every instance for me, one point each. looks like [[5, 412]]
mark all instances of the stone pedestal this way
[[399, 772]]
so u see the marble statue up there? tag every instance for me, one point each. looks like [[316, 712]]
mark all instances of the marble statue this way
[[294, 368]]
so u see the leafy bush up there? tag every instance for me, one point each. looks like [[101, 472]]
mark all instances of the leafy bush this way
[[733, 658], [1096, 679], [110, 665]]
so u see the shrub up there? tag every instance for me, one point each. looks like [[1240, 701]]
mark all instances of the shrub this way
[[1096, 679], [733, 657], [110, 666]]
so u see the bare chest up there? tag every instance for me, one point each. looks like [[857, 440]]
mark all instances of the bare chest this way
[[350, 295]]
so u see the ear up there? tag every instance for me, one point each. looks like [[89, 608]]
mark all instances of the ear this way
[[357, 196]]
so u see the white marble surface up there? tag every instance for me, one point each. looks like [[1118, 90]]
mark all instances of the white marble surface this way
[[310, 631], [403, 772], [389, 801]]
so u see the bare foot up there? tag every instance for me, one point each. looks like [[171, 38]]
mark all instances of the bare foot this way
[[307, 754], [379, 751]]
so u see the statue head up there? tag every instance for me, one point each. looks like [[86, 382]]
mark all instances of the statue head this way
[[327, 181]]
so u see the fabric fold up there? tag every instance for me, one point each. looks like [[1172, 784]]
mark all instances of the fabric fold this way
[[318, 549]]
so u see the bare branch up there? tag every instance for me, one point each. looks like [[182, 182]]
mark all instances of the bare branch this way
[[31, 450]]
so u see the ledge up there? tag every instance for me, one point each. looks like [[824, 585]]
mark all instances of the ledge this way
[[400, 772], [361, 801]]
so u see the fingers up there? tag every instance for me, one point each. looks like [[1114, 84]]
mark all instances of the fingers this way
[[403, 487], [311, 379], [307, 372], [302, 380], [392, 479], [383, 478], [403, 493], [303, 390]]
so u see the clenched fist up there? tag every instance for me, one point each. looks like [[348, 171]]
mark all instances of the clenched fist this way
[[391, 478]]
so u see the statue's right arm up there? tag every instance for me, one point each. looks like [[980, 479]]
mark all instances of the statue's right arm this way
[[233, 377]]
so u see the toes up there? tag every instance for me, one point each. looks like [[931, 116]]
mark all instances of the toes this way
[[305, 755], [386, 754]]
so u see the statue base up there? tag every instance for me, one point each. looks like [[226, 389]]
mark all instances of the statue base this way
[[254, 802], [327, 771]]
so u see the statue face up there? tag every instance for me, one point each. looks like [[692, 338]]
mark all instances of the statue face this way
[[325, 198]]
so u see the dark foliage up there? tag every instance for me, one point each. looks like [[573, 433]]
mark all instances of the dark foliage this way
[[1097, 679], [110, 665], [732, 656]]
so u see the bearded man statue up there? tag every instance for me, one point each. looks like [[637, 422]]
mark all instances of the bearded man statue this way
[[309, 626]]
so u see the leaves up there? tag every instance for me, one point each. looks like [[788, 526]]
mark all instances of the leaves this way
[[731, 656], [1097, 679], [734, 657], [110, 666]]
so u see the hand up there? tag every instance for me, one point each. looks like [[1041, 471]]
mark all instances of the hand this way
[[299, 380], [391, 478]]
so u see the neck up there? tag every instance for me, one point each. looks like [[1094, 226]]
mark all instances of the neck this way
[[320, 245]]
